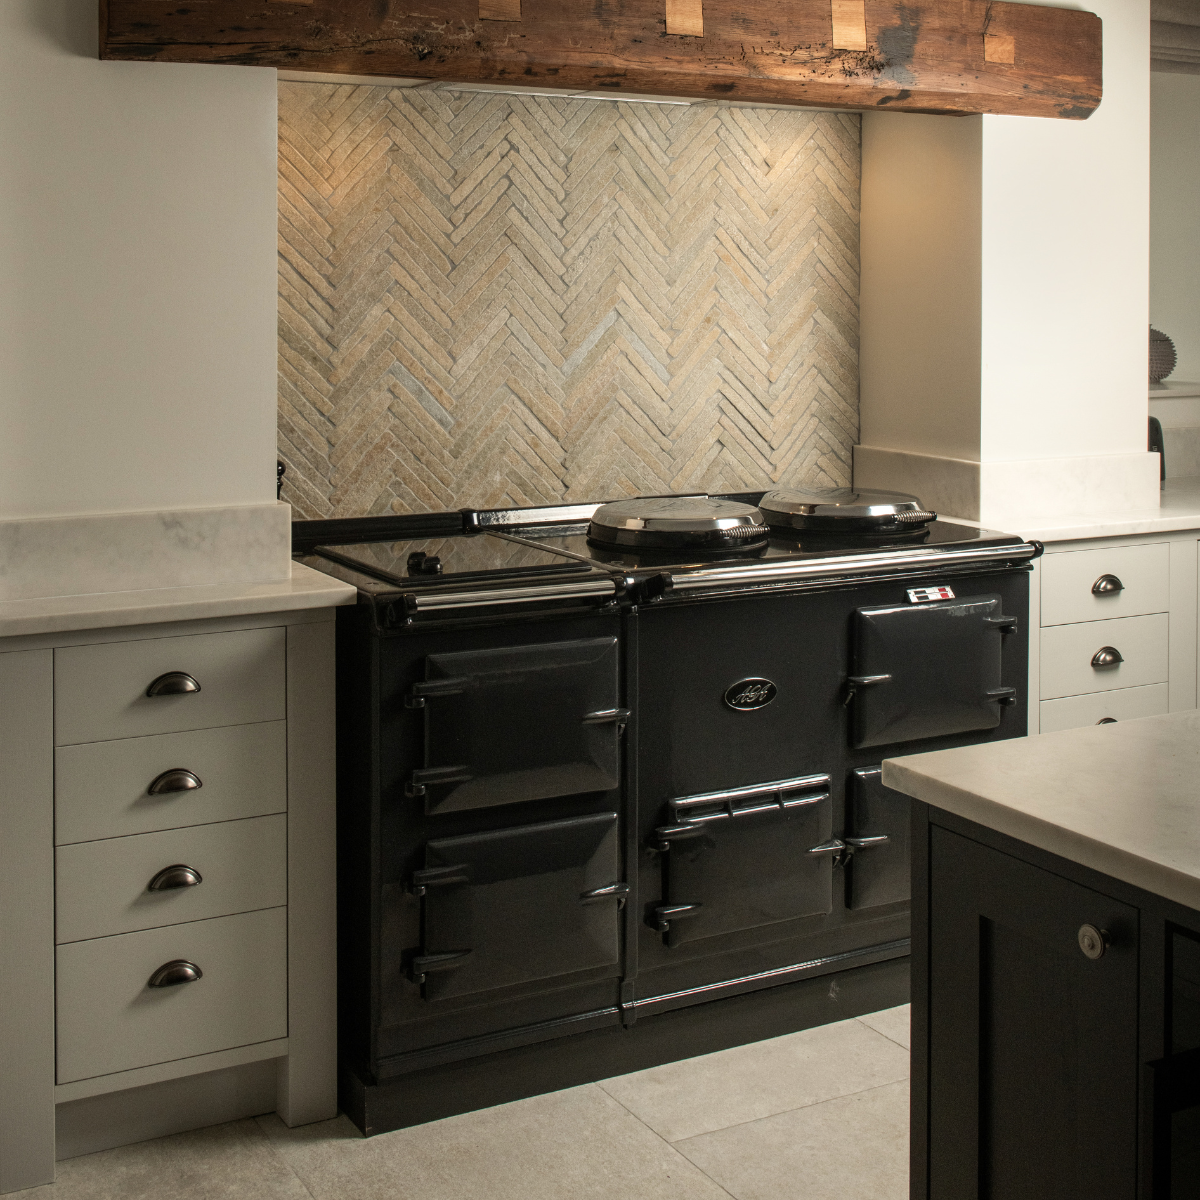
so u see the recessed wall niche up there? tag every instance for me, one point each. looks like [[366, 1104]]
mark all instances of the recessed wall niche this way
[[491, 299]]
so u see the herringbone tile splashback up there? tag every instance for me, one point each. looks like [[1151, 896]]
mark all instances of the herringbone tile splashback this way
[[489, 300]]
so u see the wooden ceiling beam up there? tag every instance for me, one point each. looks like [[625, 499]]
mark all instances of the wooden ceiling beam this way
[[934, 56]]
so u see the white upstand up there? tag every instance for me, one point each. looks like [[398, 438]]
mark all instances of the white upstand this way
[[90, 1056]]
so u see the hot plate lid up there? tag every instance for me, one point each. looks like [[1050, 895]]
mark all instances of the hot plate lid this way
[[844, 510], [699, 522]]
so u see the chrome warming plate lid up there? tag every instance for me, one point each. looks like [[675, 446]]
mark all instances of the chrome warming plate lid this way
[[678, 522], [844, 510]]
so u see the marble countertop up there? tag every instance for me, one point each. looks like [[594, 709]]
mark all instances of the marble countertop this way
[[1178, 508], [101, 610], [1123, 799]]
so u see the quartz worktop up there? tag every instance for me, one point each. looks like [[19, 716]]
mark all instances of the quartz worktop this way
[[305, 588], [1122, 799]]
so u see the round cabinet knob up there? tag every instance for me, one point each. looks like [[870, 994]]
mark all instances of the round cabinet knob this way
[[1092, 941], [177, 875], [1107, 585], [174, 780], [1107, 721], [175, 972], [1107, 656], [173, 683]]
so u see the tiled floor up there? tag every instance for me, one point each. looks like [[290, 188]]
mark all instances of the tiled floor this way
[[809, 1116]]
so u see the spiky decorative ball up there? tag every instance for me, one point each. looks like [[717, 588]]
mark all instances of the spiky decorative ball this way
[[1162, 356]]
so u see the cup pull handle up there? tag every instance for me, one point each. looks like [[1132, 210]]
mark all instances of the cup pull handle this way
[[177, 875], [1107, 585], [173, 683], [174, 780], [175, 972], [1107, 656]]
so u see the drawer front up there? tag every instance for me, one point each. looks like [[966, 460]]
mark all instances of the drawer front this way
[[109, 1019], [1125, 704], [102, 789], [100, 691], [1067, 652], [102, 887], [1143, 573]]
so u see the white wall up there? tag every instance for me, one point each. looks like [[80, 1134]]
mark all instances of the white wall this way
[[1175, 216], [137, 275]]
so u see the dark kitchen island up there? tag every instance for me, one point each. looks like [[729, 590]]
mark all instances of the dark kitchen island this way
[[1056, 964]]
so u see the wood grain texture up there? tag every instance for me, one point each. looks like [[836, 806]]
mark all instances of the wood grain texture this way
[[999, 48], [499, 10], [490, 300], [849, 24], [922, 55], [685, 17]]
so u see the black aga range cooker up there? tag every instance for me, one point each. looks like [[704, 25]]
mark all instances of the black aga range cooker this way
[[609, 776]]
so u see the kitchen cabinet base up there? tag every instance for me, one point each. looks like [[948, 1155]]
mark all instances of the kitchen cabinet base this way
[[497, 1078]]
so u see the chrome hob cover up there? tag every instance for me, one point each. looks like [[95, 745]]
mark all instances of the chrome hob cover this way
[[678, 522], [844, 510]]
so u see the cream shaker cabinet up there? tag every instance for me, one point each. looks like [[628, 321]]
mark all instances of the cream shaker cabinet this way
[[1116, 633], [167, 848]]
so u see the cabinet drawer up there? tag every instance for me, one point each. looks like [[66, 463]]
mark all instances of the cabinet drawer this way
[[1143, 573], [101, 887], [1067, 652], [1124, 704], [101, 789], [100, 691], [110, 1019]]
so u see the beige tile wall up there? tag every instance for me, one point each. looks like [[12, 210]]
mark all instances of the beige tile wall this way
[[490, 300]]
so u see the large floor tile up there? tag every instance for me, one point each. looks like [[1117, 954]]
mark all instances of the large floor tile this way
[[892, 1023], [577, 1144], [223, 1162], [698, 1095], [852, 1148]]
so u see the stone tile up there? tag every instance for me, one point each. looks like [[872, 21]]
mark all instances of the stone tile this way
[[578, 1143], [698, 1095], [892, 1023], [851, 1148], [223, 1162]]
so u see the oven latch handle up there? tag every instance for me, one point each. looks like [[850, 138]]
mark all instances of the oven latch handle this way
[[426, 777], [439, 877], [663, 914], [856, 683], [1005, 696], [1005, 625], [855, 844], [434, 687], [619, 891], [425, 964], [607, 716], [666, 834]]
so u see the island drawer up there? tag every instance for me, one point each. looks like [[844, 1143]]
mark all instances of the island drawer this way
[[103, 789], [102, 888], [1123, 704], [110, 1019], [1098, 585], [131, 689], [1073, 656]]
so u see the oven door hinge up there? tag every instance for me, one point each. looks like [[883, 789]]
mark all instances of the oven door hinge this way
[[434, 687], [426, 777], [438, 877], [425, 964], [1005, 696], [610, 891], [663, 914], [857, 683]]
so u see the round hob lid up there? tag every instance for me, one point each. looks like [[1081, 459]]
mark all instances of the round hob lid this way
[[843, 508], [667, 521]]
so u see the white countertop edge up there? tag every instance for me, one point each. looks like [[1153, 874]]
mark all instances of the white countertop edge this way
[[1151, 874], [63, 614]]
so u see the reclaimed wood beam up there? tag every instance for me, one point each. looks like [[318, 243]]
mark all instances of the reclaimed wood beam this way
[[933, 56]]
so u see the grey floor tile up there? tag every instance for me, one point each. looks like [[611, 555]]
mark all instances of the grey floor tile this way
[[852, 1148], [577, 1144], [892, 1023], [223, 1162], [698, 1095]]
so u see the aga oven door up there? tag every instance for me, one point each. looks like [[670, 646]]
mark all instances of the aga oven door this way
[[745, 858], [878, 860], [927, 670], [518, 723], [512, 906]]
